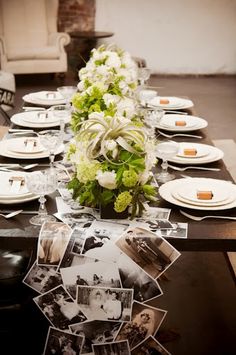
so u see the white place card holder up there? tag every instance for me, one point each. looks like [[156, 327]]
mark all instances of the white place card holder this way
[[30, 144], [15, 183], [42, 116], [50, 95]]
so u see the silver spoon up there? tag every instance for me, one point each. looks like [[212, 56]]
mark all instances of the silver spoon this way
[[10, 215]]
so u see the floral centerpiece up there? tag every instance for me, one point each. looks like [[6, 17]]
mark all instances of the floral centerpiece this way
[[111, 153]]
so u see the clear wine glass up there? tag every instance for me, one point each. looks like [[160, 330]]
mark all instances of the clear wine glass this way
[[42, 183], [50, 139], [165, 150], [143, 75], [67, 92]]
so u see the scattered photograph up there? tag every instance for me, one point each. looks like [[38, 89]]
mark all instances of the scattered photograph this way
[[151, 252], [115, 348], [179, 230], [156, 213], [154, 225], [95, 332], [60, 308], [64, 343], [101, 303], [52, 242], [71, 259], [100, 238], [132, 276], [150, 346], [42, 278], [63, 174], [65, 203], [76, 219], [91, 274], [145, 321]]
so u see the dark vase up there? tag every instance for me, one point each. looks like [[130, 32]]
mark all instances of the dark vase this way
[[108, 212]]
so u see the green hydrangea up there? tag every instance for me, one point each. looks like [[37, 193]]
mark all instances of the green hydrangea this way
[[122, 201], [130, 178], [87, 170]]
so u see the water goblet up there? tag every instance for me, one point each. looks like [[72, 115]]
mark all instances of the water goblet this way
[[143, 75], [50, 139], [165, 150], [67, 92], [42, 183]]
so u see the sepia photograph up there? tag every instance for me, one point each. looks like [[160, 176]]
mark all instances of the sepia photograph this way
[[59, 342], [151, 252], [101, 303], [150, 346], [52, 242], [115, 348], [90, 274], [60, 308], [100, 238], [132, 276], [145, 321], [95, 332], [42, 278]]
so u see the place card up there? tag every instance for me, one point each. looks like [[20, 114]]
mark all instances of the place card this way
[[16, 182], [30, 144], [205, 195], [50, 95], [42, 116]]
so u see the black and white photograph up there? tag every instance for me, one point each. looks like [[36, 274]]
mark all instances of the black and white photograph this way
[[59, 342], [76, 219], [60, 308], [132, 276], [78, 236], [179, 230], [52, 242], [151, 252], [90, 274], [42, 278], [145, 321], [71, 259], [96, 332], [155, 224], [100, 238], [115, 348], [101, 303], [150, 346], [156, 213], [65, 202]]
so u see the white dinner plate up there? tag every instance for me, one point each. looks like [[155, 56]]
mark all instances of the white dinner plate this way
[[214, 154], [201, 150], [192, 123], [166, 192], [40, 98], [5, 152], [18, 145], [174, 103], [30, 120], [14, 201]]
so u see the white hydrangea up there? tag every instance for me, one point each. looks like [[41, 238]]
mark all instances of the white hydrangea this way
[[107, 179]]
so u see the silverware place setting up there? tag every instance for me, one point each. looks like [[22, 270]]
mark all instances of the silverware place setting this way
[[198, 218]]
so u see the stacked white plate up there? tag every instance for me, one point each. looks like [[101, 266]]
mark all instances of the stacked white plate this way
[[47, 98], [37, 119], [183, 192], [174, 103], [7, 195], [205, 154], [168, 122], [16, 148]]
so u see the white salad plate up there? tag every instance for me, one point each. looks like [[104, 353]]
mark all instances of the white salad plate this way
[[175, 103]]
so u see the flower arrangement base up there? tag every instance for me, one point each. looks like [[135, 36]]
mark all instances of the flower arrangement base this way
[[108, 212]]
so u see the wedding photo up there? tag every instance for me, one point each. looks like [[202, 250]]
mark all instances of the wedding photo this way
[[90, 274], [116, 347], [76, 219], [42, 278], [95, 332], [52, 242], [150, 346], [60, 308], [145, 321], [151, 252], [59, 342], [156, 213], [103, 303]]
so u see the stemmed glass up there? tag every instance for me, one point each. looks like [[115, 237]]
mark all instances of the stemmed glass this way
[[67, 92], [143, 75], [165, 150], [50, 139], [42, 183]]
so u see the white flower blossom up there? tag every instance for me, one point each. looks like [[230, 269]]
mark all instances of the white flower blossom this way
[[107, 179]]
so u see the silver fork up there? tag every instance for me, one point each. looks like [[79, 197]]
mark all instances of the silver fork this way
[[192, 167], [10, 215], [197, 218], [178, 135]]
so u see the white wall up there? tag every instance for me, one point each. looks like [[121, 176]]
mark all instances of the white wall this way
[[174, 36]]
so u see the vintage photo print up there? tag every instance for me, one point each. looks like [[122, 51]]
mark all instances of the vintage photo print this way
[[60, 308], [100, 238], [91, 274], [150, 346], [154, 225], [71, 259], [154, 213], [145, 321], [95, 332], [42, 278], [151, 252], [117, 347], [60, 342], [132, 276], [52, 242], [101, 303], [76, 219], [178, 230]]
